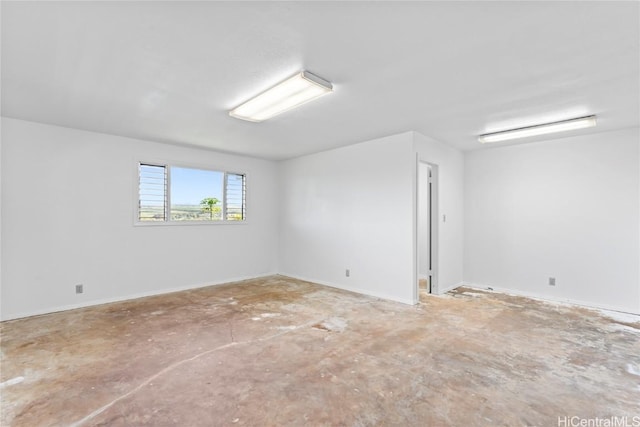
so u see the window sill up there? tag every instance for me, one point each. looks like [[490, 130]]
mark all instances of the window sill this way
[[187, 223]]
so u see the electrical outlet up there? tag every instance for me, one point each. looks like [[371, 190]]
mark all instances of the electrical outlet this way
[[552, 281], [79, 289], [347, 272]]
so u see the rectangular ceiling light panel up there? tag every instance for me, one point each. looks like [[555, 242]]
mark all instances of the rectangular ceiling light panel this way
[[292, 92], [565, 125]]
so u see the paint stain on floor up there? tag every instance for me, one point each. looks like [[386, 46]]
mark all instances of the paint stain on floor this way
[[279, 351]]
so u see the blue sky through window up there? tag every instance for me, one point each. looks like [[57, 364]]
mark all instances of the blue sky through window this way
[[190, 186]]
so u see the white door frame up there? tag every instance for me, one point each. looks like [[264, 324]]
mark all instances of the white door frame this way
[[433, 222]]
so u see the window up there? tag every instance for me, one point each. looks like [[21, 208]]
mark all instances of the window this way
[[178, 194], [152, 193]]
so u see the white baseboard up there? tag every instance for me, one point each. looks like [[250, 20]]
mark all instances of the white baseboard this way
[[102, 301], [545, 298], [350, 289], [91, 303]]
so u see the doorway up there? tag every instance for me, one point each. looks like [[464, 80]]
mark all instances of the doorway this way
[[427, 228]]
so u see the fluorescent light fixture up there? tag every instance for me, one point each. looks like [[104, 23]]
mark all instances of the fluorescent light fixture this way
[[290, 93], [572, 124]]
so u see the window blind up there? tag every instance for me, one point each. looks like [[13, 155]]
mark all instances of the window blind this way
[[235, 190], [152, 192]]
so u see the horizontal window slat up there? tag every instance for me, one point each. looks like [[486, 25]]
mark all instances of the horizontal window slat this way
[[152, 192]]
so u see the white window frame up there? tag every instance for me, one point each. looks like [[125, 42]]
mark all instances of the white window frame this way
[[168, 222]]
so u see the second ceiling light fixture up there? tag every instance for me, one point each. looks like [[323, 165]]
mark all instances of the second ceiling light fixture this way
[[562, 126]]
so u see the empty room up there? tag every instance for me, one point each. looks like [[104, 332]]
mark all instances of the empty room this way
[[300, 213]]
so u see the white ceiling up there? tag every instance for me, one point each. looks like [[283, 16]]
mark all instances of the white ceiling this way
[[170, 71]]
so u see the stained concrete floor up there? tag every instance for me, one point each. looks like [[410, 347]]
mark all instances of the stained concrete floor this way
[[279, 351]]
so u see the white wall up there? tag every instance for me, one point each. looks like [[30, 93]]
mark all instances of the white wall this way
[[352, 208], [1, 150], [450, 202], [68, 200], [567, 208]]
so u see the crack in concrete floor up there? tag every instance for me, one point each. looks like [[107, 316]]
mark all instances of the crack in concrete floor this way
[[175, 365]]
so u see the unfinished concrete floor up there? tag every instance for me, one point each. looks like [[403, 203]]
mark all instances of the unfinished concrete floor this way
[[279, 351]]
